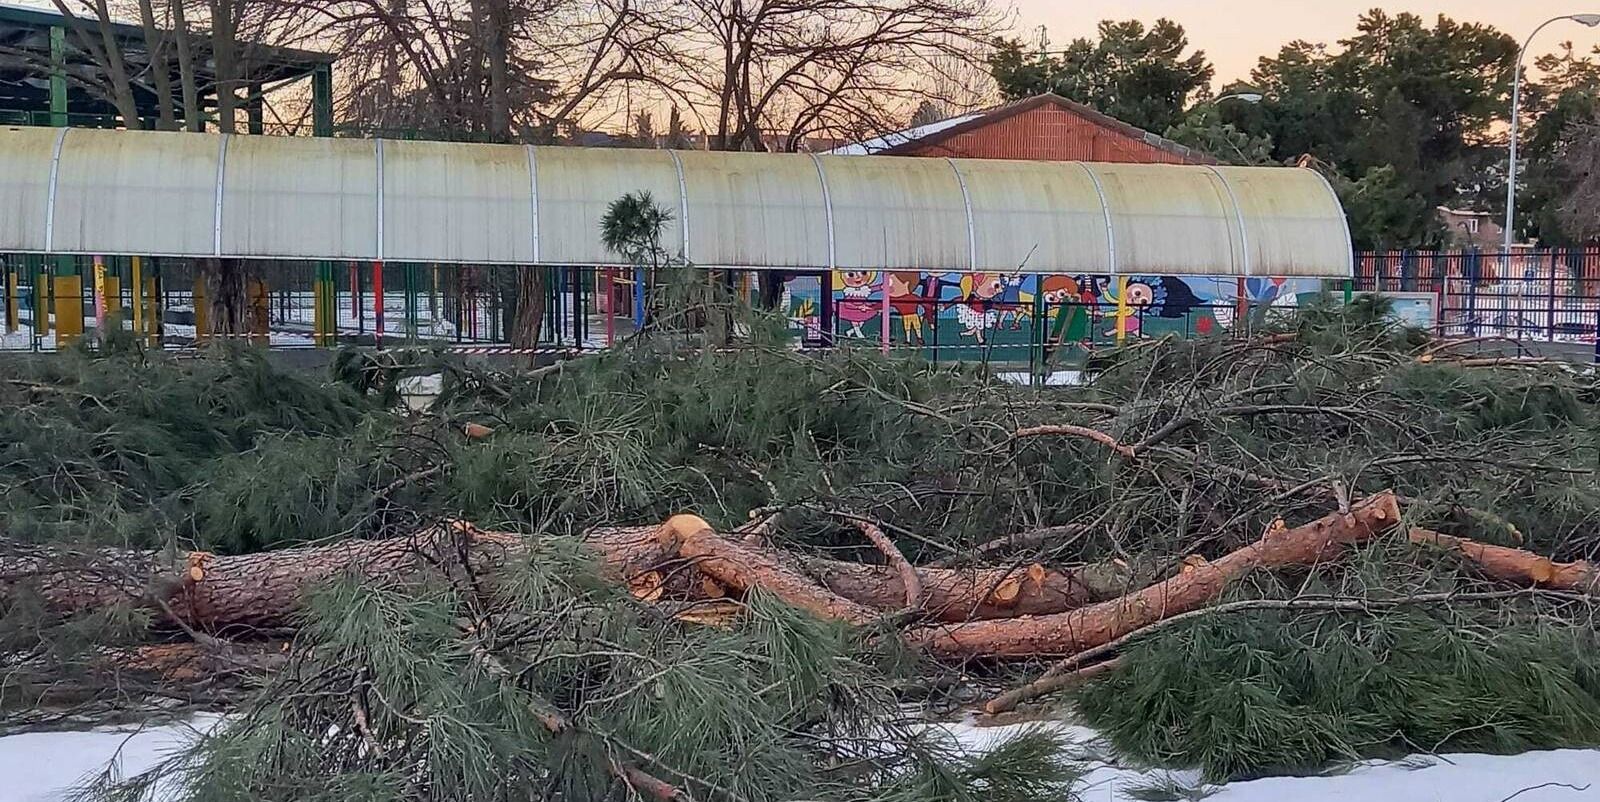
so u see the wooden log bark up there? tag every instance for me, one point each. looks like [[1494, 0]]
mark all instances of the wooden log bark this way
[[1516, 565], [954, 595], [233, 595], [1197, 586], [743, 568], [638, 556]]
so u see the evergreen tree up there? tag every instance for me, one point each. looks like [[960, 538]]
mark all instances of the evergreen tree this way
[[1136, 74], [1405, 113]]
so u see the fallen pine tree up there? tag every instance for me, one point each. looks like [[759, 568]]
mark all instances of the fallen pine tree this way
[[863, 523]]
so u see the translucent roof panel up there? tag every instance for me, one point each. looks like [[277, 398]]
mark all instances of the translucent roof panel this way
[[1171, 221], [25, 185], [182, 194], [891, 212], [157, 200], [299, 197], [1036, 215], [449, 204], [748, 207], [1293, 223], [576, 185]]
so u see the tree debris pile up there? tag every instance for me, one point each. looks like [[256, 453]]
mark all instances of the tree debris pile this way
[[678, 573]]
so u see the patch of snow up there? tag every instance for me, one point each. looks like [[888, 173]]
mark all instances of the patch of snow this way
[[887, 141], [44, 766], [1562, 775], [1057, 378]]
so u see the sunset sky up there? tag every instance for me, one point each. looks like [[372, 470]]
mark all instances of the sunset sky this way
[[1234, 33]]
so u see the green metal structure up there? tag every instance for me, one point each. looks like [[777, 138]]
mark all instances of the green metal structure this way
[[49, 83], [49, 80]]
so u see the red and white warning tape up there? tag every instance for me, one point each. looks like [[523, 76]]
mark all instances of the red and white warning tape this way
[[506, 350]]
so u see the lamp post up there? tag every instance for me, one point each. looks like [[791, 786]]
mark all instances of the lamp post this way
[[1590, 20]]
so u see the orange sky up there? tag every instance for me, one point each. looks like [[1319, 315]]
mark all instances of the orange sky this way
[[1234, 33]]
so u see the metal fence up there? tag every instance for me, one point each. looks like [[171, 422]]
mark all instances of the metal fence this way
[[52, 302], [1550, 294], [1544, 294]]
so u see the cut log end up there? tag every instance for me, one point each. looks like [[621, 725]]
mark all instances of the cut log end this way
[[681, 527]]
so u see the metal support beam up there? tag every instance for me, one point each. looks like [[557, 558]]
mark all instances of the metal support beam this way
[[322, 101], [255, 110], [58, 76]]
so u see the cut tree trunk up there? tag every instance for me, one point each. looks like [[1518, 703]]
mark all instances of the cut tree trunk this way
[[234, 595], [743, 568], [1516, 565], [952, 595], [1196, 586], [637, 556]]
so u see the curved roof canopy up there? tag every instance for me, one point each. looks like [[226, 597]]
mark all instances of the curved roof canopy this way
[[181, 194]]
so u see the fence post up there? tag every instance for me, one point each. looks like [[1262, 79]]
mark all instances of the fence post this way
[[580, 314], [610, 306], [1550, 300], [1036, 366], [412, 305], [1474, 257], [1122, 309], [377, 304], [13, 312]]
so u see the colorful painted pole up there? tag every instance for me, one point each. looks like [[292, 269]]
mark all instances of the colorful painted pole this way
[[13, 313], [883, 282], [611, 310], [377, 304], [1122, 309], [136, 267], [100, 294]]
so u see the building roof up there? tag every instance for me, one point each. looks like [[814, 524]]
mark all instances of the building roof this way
[[83, 190], [915, 139]]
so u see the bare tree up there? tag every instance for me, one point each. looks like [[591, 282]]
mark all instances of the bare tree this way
[[155, 44], [772, 73], [189, 83], [105, 51]]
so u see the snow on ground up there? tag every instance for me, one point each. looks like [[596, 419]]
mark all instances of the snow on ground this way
[[1056, 378], [41, 767], [1564, 775]]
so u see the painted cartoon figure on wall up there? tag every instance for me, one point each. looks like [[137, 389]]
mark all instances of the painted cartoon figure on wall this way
[[1070, 306], [856, 305], [1261, 294], [1159, 296], [914, 299], [987, 298]]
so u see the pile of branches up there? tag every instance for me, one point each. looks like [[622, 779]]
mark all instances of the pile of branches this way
[[722, 574]]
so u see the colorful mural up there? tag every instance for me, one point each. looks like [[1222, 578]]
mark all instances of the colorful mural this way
[[998, 310]]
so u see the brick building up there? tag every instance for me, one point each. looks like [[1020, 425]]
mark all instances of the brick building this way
[[1044, 127]]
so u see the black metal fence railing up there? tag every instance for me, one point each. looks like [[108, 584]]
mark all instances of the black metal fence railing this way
[[1546, 294], [1550, 294]]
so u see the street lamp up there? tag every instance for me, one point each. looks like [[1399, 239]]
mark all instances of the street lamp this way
[[1589, 20]]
